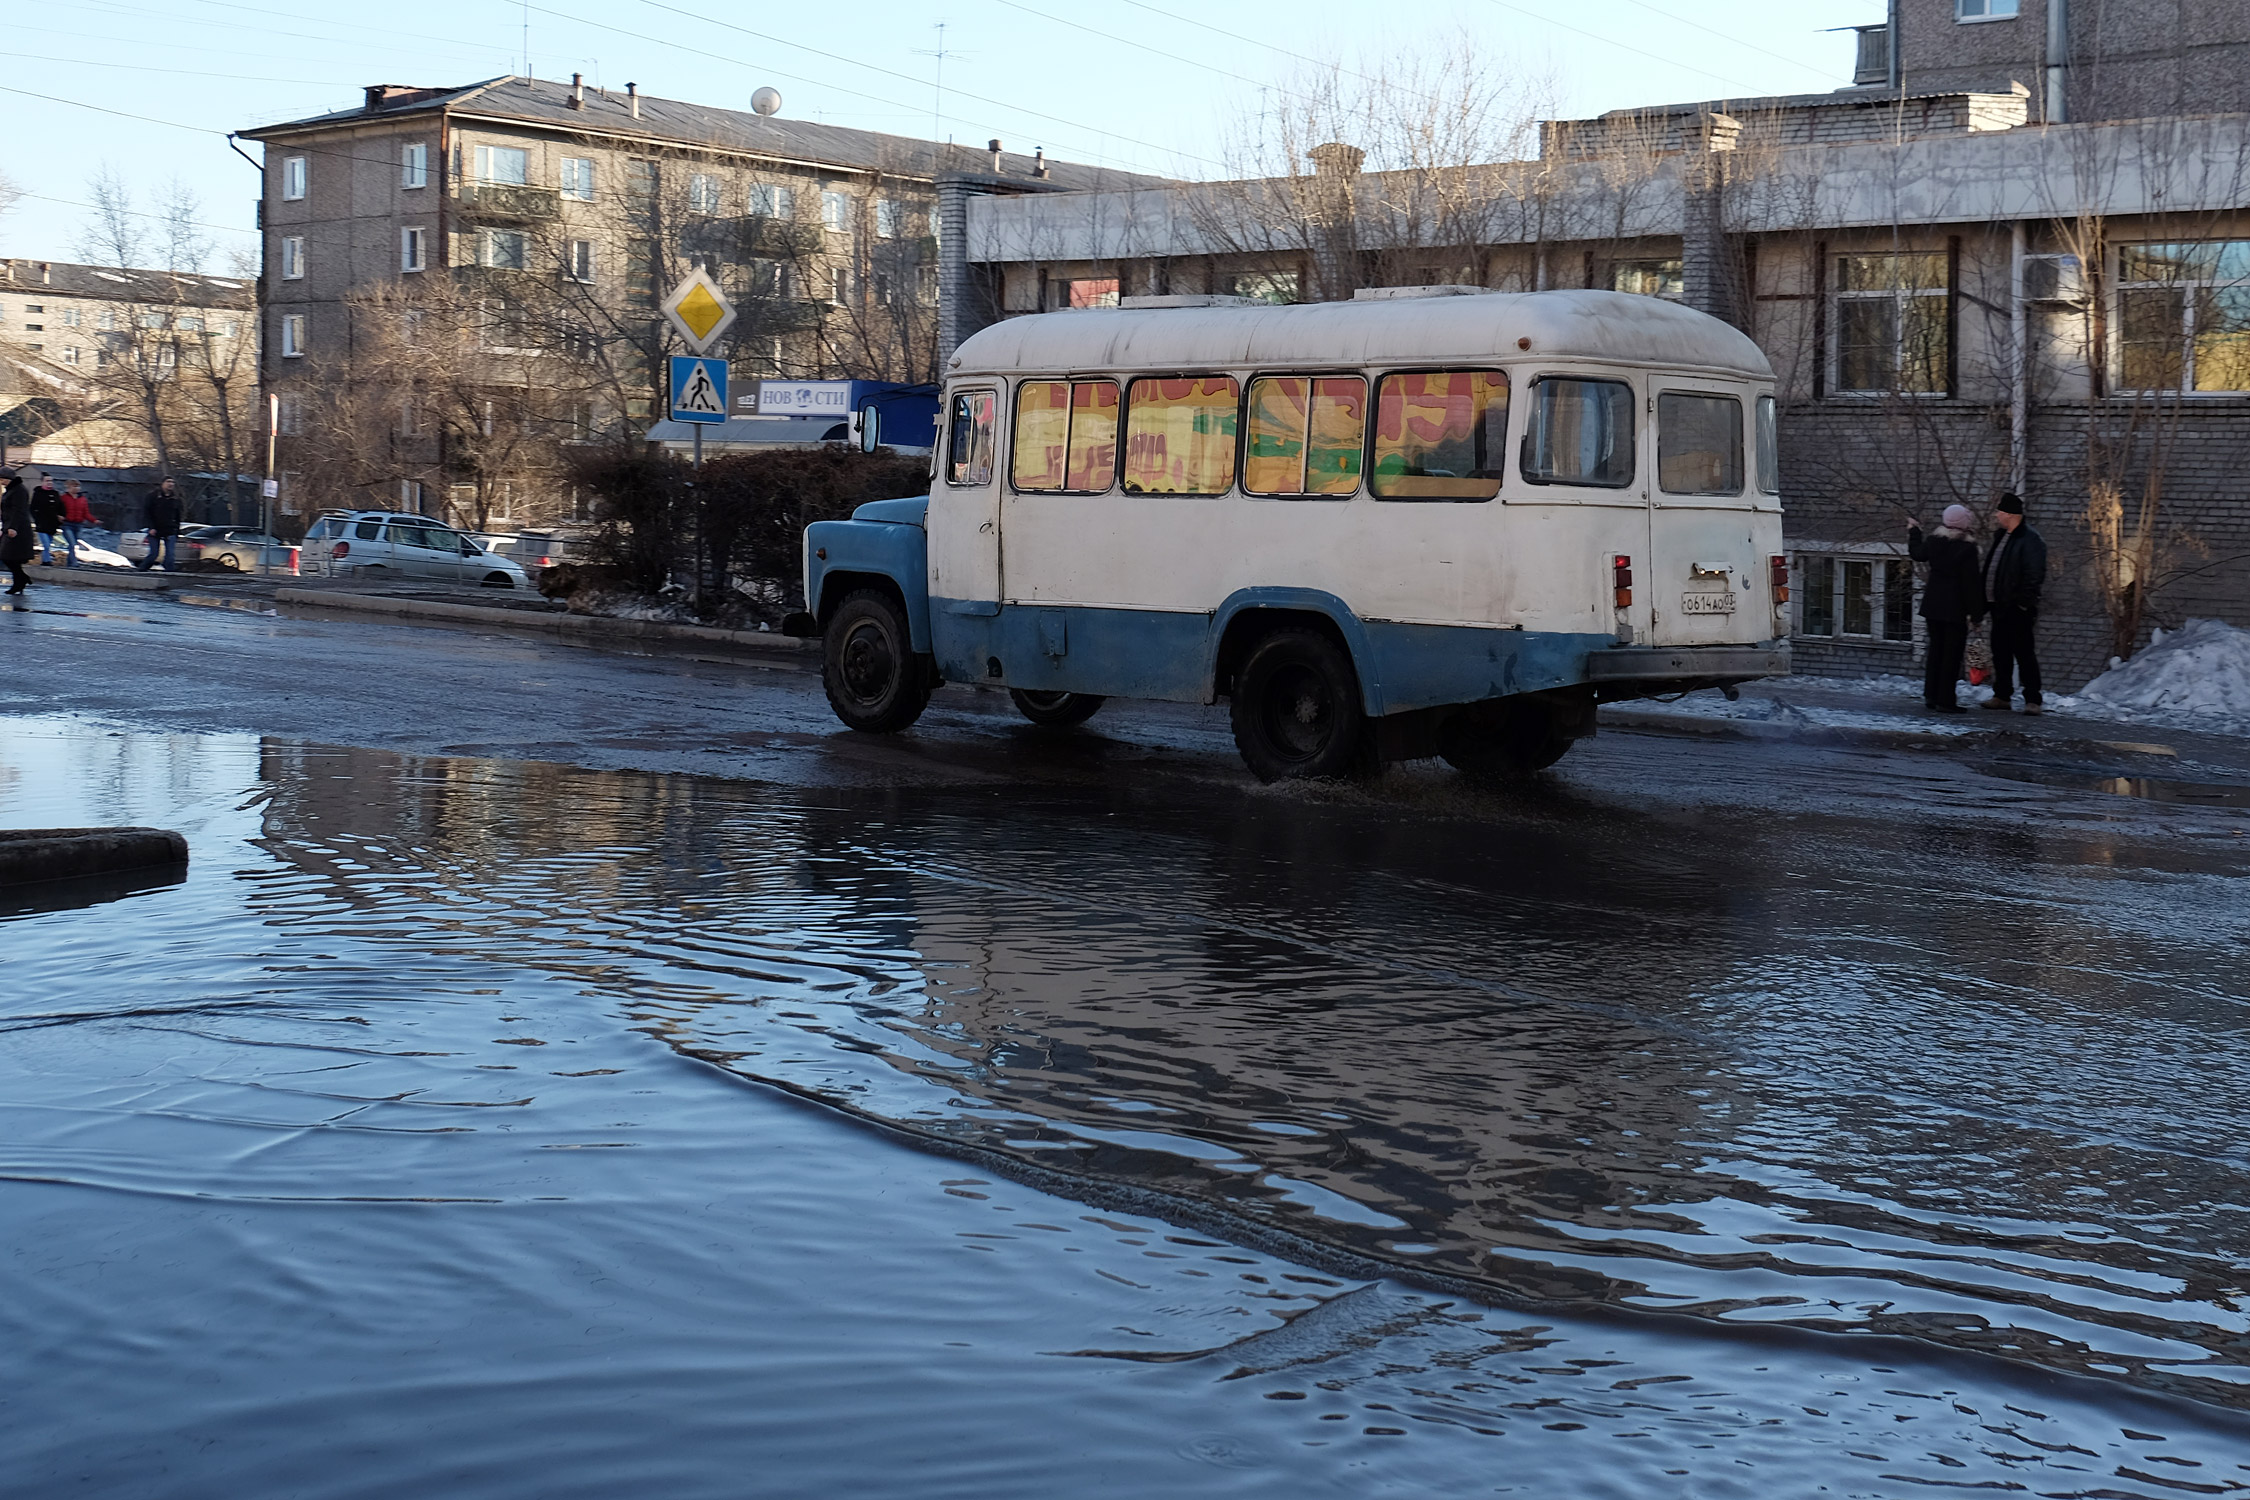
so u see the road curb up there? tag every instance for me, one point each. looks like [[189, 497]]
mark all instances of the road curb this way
[[104, 578], [586, 627], [1800, 734]]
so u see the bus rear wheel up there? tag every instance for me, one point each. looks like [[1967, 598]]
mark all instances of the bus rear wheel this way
[[1055, 710], [1297, 712], [875, 682], [1509, 738]]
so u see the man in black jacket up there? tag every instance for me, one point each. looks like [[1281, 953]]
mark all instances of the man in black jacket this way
[[2013, 571], [1952, 600], [163, 516], [46, 519]]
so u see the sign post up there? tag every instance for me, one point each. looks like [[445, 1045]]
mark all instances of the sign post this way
[[701, 314]]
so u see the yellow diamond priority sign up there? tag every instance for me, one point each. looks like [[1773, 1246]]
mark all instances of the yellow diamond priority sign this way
[[699, 310]]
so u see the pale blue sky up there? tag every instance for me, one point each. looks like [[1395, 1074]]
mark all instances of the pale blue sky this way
[[1150, 97]]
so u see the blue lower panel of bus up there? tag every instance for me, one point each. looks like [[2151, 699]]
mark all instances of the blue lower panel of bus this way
[[1132, 653]]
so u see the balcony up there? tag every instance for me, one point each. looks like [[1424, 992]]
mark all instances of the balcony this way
[[750, 237], [1874, 62], [775, 315], [509, 203]]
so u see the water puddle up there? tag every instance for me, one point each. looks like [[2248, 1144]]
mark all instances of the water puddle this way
[[1263, 1146], [2146, 788]]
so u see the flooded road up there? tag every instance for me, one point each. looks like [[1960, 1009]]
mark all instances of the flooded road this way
[[492, 1127]]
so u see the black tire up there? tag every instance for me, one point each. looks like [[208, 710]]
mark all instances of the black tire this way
[[1297, 712], [229, 562], [1055, 710], [1503, 740], [875, 682], [498, 581]]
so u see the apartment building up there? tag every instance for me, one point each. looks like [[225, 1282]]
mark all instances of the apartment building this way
[[552, 217]]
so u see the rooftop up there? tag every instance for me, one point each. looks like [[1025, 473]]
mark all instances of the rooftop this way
[[541, 102], [65, 279]]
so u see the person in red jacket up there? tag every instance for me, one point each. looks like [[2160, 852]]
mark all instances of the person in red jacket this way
[[77, 514]]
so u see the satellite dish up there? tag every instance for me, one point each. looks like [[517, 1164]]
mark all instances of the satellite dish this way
[[767, 101]]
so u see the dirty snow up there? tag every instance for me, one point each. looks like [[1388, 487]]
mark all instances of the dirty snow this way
[[1777, 711], [2197, 676]]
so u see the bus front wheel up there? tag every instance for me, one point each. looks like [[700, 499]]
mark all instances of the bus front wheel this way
[[1297, 712], [1055, 710], [1511, 737], [875, 682]]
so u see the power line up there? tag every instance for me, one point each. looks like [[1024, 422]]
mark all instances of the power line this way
[[1610, 41], [1714, 31], [120, 113], [87, 62]]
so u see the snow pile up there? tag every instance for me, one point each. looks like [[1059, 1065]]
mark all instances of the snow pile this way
[[2197, 674], [1763, 708]]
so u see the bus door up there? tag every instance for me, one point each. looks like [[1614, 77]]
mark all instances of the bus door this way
[[964, 518], [1703, 584]]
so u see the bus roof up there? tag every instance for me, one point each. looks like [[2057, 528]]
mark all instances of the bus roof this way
[[1477, 329]]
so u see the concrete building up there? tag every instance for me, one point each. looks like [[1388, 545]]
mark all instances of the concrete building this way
[[553, 216], [1957, 298]]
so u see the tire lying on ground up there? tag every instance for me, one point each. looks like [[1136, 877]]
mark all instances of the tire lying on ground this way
[[28, 854], [1055, 710]]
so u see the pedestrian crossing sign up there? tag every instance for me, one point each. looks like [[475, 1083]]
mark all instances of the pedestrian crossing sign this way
[[699, 389]]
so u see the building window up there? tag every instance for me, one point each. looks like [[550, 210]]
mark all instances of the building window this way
[[105, 321], [1179, 436], [1891, 333], [35, 307], [888, 218], [640, 182], [1864, 598], [2183, 317], [640, 273], [70, 317], [414, 165], [233, 327], [1091, 293], [292, 335], [1277, 287], [1984, 10], [769, 201], [578, 178], [285, 416], [410, 249], [582, 260], [508, 166], [769, 278], [835, 211], [190, 323], [1649, 278], [703, 193], [153, 320], [292, 177], [503, 250], [70, 355], [883, 292], [34, 328], [1305, 435], [410, 496], [839, 286], [292, 257]]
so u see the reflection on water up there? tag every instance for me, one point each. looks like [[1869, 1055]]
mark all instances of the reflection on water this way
[[1724, 1142]]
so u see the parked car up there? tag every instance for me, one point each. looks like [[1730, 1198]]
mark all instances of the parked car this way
[[534, 551], [238, 549], [378, 544]]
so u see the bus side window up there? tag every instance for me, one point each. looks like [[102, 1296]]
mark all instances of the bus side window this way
[[1581, 433], [1304, 435], [968, 442], [1698, 444], [1179, 436], [1066, 436], [1440, 435]]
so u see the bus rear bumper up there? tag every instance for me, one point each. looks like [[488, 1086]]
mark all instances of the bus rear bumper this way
[[1681, 665]]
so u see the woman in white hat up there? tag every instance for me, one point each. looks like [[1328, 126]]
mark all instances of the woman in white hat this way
[[1952, 600]]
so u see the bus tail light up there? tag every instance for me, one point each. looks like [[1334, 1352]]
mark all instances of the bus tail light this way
[[1780, 575], [1621, 579]]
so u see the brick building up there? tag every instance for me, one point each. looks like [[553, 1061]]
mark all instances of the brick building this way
[[554, 216], [1957, 295]]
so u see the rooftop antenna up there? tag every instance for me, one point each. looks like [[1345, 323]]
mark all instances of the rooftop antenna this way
[[937, 85]]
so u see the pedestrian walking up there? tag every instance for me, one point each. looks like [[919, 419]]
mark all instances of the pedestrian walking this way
[[16, 545], [78, 514], [1952, 601], [46, 518], [2014, 571], [161, 513]]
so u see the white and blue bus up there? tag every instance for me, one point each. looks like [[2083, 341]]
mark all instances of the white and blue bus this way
[[1428, 521]]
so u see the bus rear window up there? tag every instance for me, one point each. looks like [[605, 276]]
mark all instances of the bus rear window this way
[[1305, 435], [1581, 433], [1066, 435], [1179, 436], [1698, 444], [1769, 450], [968, 443], [1439, 435]]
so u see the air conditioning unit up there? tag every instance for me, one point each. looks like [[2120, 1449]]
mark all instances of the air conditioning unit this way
[[2053, 278]]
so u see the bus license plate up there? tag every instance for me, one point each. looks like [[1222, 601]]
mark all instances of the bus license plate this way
[[1706, 604]]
